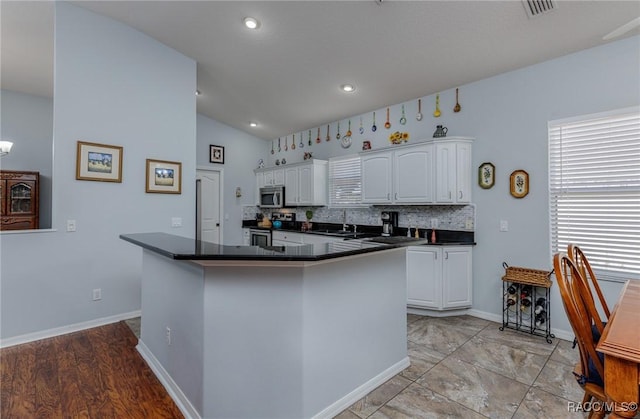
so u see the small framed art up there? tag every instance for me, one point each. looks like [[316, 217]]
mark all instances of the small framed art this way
[[519, 184], [164, 176], [99, 162], [486, 175], [216, 154]]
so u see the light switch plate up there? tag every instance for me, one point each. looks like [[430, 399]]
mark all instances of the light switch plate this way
[[504, 225], [176, 222], [71, 226]]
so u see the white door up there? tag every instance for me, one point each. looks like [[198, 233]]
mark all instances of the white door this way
[[209, 203]]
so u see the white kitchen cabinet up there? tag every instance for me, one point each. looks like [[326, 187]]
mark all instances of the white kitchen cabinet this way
[[402, 176], [306, 183], [246, 237], [286, 238], [439, 277], [453, 171], [267, 177], [377, 183]]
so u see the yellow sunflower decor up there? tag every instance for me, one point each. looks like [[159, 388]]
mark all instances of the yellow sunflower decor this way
[[399, 137]]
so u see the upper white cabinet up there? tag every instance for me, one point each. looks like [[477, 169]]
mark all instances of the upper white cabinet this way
[[306, 183], [453, 171], [439, 277], [437, 171], [267, 177]]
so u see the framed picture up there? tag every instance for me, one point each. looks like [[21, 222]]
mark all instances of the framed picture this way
[[519, 184], [164, 176], [99, 162], [486, 175], [216, 154]]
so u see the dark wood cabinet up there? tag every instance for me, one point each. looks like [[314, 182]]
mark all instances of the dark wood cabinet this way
[[19, 200]]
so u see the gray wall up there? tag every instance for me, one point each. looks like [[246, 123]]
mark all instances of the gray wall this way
[[242, 152], [27, 120], [508, 116], [113, 85]]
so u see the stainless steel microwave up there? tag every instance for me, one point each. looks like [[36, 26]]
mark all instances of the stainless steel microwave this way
[[272, 197]]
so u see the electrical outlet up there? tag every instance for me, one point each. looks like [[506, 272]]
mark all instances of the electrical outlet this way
[[168, 336], [176, 222], [504, 225], [71, 226], [468, 224], [97, 294], [434, 223]]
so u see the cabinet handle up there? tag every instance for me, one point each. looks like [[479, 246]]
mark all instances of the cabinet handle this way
[[460, 195], [446, 255], [449, 194], [436, 258], [388, 196], [396, 195]]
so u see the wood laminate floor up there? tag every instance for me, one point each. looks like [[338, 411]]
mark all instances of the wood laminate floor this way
[[95, 373]]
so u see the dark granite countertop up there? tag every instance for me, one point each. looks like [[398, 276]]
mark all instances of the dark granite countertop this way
[[182, 248]]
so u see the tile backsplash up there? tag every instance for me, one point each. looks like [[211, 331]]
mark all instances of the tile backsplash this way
[[449, 217]]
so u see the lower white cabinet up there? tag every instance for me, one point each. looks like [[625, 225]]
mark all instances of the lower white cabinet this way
[[439, 277], [287, 238], [246, 237]]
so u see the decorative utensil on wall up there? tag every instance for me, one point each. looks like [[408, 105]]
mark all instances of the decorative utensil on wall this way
[[361, 130], [279, 148], [457, 107], [272, 150], [387, 124], [286, 145], [437, 112], [419, 115], [310, 142], [318, 140], [301, 145], [328, 136], [373, 127], [293, 142], [403, 120], [338, 134]]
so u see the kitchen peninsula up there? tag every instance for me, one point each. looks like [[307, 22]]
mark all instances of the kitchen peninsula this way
[[271, 332]]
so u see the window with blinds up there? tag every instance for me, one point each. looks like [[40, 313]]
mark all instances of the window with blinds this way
[[594, 190], [345, 182]]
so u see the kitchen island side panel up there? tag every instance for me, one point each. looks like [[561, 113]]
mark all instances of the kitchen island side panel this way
[[253, 342], [355, 324], [172, 297]]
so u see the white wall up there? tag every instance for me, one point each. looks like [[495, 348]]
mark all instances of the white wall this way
[[113, 85], [242, 152], [27, 120]]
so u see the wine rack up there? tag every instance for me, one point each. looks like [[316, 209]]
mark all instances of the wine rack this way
[[526, 301]]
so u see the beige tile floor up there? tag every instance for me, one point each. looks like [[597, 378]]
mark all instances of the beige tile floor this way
[[464, 367]]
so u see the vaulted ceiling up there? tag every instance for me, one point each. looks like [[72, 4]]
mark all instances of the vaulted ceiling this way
[[286, 75]]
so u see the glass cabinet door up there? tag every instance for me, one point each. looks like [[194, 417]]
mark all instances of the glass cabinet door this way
[[20, 197]]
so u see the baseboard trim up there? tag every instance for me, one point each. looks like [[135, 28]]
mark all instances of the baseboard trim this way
[[58, 331], [183, 403], [558, 333], [352, 397]]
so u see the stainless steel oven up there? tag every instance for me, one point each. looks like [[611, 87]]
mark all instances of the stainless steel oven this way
[[260, 237]]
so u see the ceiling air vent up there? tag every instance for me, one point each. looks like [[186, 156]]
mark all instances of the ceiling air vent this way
[[538, 7]]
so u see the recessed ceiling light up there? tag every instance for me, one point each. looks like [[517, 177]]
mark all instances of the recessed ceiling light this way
[[348, 88], [253, 124], [251, 22]]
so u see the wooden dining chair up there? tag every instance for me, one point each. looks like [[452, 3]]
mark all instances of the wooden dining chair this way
[[578, 257], [582, 313]]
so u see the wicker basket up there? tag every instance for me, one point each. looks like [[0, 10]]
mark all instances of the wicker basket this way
[[527, 276]]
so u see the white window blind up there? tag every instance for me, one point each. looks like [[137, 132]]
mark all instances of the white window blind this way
[[594, 190], [345, 182]]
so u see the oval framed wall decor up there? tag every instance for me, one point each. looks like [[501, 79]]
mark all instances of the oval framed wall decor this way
[[519, 184], [486, 175]]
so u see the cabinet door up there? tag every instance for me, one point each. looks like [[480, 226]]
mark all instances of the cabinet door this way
[[424, 277], [291, 187], [445, 172], [278, 177], [21, 197], [305, 185], [259, 184], [463, 173], [457, 277], [414, 175], [376, 178]]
